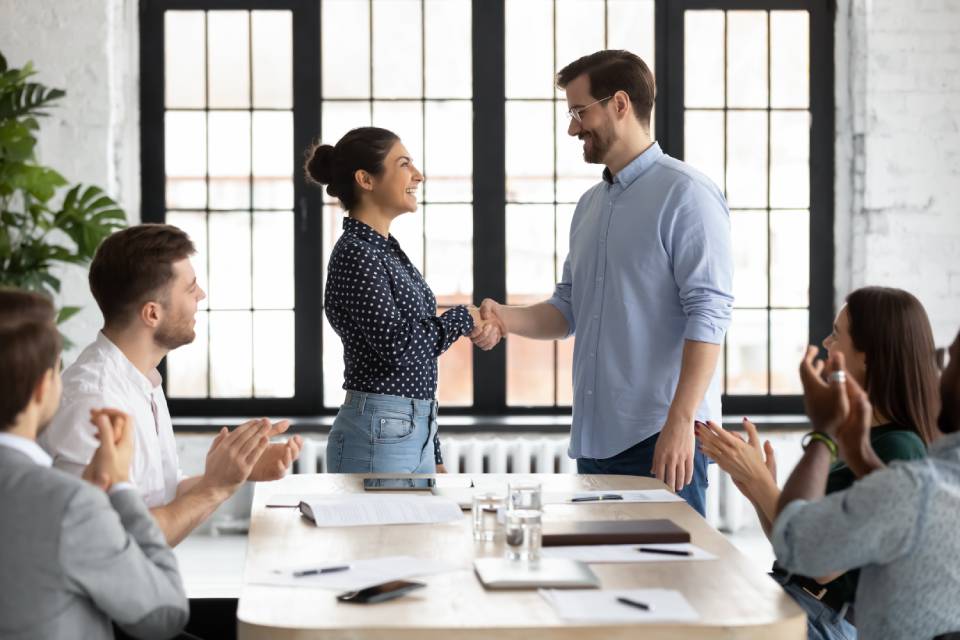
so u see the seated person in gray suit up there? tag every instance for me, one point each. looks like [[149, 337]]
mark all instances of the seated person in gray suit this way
[[147, 290], [76, 553]]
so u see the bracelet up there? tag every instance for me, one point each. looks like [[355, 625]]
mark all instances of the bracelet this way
[[814, 436]]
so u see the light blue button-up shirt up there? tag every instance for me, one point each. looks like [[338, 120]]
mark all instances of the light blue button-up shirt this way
[[650, 265]]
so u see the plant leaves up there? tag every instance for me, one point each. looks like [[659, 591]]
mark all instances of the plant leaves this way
[[27, 99], [66, 313]]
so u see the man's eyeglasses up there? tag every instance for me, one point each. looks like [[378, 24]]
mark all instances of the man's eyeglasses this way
[[576, 111]]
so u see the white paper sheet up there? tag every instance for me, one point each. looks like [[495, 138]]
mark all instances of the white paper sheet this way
[[644, 495], [360, 509], [596, 607], [614, 553], [361, 574]]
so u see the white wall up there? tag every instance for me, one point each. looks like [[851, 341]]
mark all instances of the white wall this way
[[898, 133], [89, 49], [898, 152]]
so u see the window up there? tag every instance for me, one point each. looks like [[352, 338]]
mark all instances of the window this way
[[234, 90]]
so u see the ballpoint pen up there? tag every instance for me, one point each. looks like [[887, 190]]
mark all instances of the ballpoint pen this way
[[318, 572], [634, 603], [665, 552], [606, 496]]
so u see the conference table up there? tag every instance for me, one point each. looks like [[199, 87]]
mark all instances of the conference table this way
[[733, 598]]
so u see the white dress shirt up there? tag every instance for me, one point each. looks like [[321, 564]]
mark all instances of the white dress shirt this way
[[103, 377], [27, 447]]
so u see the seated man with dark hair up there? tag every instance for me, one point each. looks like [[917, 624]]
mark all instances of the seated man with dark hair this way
[[900, 525], [74, 555], [144, 284]]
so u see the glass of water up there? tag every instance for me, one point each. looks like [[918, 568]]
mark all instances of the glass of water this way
[[523, 534], [523, 521], [487, 509]]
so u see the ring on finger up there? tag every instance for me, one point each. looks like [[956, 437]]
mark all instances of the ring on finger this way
[[838, 376]]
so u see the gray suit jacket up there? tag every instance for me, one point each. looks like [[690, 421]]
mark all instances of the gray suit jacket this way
[[72, 559]]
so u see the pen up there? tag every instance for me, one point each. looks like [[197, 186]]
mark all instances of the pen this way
[[317, 572], [634, 603], [665, 552], [606, 496]]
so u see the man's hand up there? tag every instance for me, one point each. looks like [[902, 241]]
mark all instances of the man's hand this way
[[111, 461], [233, 454], [825, 400], [673, 455], [276, 459], [491, 329]]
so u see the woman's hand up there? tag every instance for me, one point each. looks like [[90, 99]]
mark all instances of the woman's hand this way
[[748, 463]]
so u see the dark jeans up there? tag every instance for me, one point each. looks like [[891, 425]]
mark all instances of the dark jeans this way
[[638, 461]]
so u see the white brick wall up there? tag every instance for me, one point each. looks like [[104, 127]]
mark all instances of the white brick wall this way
[[898, 152], [88, 48]]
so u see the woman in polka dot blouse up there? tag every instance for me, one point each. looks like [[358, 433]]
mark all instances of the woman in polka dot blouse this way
[[383, 310]]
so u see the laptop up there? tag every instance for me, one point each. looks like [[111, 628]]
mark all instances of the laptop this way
[[553, 573]]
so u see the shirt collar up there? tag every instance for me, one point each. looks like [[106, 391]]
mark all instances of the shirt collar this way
[[27, 447], [113, 352], [366, 233], [636, 168]]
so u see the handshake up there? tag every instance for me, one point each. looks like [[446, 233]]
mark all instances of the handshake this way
[[489, 327]]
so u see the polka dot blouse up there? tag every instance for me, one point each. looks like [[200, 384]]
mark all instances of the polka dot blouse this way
[[386, 315]]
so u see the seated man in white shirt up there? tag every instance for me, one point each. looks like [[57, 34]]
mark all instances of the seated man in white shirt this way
[[144, 284]]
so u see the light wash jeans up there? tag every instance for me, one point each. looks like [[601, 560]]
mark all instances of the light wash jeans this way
[[375, 433], [823, 623]]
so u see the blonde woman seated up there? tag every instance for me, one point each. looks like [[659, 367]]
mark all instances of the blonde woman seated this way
[[885, 337]]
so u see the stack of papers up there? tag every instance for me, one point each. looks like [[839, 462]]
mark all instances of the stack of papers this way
[[360, 574], [615, 553], [359, 509], [588, 606]]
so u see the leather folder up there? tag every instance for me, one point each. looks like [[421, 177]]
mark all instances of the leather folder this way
[[568, 534]]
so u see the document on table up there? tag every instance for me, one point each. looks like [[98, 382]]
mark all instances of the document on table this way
[[360, 509], [615, 497], [615, 553], [590, 606], [360, 574]]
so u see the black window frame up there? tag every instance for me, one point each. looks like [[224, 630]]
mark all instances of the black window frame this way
[[489, 186]]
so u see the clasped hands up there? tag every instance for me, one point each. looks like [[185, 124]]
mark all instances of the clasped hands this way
[[488, 325]]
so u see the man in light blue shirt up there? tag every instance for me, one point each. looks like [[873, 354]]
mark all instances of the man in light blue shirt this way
[[646, 287]]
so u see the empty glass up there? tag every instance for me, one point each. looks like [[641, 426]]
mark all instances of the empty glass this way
[[523, 495], [486, 515]]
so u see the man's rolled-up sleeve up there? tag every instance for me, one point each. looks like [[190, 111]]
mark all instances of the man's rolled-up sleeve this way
[[562, 297], [698, 238], [873, 522]]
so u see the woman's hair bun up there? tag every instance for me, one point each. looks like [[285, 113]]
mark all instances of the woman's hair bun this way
[[320, 165]]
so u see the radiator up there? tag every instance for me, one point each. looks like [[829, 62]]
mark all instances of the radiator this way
[[727, 509]]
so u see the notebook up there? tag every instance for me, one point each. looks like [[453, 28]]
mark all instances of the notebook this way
[[556, 573], [564, 534]]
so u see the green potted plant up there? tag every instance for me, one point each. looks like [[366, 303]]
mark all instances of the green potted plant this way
[[39, 232]]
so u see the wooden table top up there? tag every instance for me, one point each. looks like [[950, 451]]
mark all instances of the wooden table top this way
[[734, 599]]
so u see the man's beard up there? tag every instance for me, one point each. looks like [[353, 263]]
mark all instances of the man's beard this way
[[173, 334], [599, 145]]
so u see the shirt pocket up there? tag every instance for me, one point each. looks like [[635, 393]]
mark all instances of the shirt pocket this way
[[391, 426]]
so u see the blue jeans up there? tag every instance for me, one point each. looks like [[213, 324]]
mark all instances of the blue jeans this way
[[823, 623], [377, 433], [638, 461]]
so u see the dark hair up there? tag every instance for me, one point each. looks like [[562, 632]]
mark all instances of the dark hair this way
[[133, 265], [892, 329], [613, 70], [364, 148], [29, 347]]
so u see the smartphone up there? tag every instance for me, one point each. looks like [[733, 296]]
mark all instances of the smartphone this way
[[398, 484], [380, 592]]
